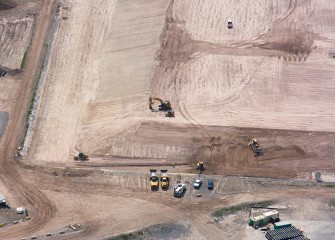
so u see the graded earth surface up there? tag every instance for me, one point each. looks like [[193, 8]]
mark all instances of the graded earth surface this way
[[79, 77]]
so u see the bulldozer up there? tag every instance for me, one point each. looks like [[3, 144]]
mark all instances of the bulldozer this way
[[164, 105], [169, 113], [81, 156], [200, 166], [255, 147]]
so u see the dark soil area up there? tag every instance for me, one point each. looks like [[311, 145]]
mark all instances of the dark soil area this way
[[7, 4], [159, 231], [4, 116]]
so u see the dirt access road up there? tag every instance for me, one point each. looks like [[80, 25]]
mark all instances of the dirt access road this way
[[11, 174], [273, 81]]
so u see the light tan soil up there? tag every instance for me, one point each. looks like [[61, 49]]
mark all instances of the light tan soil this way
[[270, 77]]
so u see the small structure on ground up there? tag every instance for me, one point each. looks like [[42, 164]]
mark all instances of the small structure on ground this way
[[265, 218], [280, 225], [287, 233]]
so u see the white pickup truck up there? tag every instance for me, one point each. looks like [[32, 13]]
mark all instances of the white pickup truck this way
[[229, 24], [179, 189]]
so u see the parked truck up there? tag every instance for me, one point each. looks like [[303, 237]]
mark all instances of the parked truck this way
[[154, 181], [179, 189], [164, 179]]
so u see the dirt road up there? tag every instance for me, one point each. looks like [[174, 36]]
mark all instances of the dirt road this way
[[11, 174]]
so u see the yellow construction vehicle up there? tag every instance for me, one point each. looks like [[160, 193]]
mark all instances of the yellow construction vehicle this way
[[169, 113], [81, 156], [164, 105], [200, 166], [255, 147], [164, 179], [154, 182]]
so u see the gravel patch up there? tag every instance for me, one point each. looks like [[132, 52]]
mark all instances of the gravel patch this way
[[4, 116]]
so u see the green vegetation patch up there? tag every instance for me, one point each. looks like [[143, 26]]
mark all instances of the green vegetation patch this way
[[157, 231], [24, 59], [31, 105], [330, 186], [242, 207]]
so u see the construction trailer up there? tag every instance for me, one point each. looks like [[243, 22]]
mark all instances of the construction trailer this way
[[288, 233], [280, 225], [265, 218], [257, 221], [271, 216]]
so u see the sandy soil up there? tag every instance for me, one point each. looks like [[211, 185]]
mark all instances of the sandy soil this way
[[269, 77], [110, 94]]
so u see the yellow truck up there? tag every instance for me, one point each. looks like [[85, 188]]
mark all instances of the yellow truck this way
[[154, 181], [164, 179]]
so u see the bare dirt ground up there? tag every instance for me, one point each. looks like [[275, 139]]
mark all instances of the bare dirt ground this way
[[270, 77], [16, 26]]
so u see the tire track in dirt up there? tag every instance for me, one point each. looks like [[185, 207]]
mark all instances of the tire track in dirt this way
[[291, 8], [182, 108]]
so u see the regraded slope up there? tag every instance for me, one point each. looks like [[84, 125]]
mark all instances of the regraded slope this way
[[272, 71]]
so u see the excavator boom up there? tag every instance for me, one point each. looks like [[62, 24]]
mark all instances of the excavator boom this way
[[164, 105]]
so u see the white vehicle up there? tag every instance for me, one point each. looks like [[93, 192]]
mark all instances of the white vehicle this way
[[230, 23], [197, 183], [20, 210], [179, 189]]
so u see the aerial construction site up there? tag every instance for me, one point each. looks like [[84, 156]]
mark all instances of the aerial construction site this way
[[167, 119]]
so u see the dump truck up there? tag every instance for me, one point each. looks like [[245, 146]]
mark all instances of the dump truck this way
[[154, 182], [81, 156], [164, 179], [255, 147]]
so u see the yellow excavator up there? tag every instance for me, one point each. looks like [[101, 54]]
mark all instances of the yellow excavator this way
[[164, 106]]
